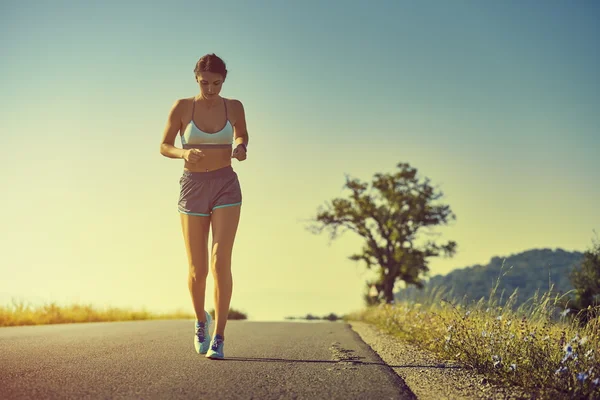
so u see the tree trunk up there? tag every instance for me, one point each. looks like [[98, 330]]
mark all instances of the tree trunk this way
[[388, 289]]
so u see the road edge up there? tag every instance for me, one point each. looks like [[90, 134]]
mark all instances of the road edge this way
[[427, 376]]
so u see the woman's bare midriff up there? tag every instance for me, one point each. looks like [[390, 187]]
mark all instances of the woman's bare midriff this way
[[213, 159]]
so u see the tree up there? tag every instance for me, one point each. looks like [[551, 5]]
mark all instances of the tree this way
[[586, 281], [389, 217]]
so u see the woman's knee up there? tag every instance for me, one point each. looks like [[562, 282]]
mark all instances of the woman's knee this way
[[221, 255], [198, 271]]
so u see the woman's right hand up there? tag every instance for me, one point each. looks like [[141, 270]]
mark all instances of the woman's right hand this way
[[193, 155]]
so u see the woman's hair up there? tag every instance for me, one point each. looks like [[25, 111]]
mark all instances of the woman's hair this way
[[211, 63]]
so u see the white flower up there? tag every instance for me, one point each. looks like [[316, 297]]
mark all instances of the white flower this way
[[497, 360], [561, 370]]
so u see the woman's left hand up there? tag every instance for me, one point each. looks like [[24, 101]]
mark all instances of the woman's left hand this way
[[239, 152]]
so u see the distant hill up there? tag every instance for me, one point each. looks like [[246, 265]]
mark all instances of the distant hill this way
[[531, 270]]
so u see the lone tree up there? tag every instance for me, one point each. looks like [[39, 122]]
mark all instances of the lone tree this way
[[389, 216]]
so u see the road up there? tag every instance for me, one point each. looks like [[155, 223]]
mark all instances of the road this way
[[156, 360]]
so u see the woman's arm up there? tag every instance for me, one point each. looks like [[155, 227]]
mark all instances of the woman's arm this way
[[240, 130], [167, 145]]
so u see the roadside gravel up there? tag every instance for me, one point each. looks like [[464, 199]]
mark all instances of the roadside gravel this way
[[427, 376]]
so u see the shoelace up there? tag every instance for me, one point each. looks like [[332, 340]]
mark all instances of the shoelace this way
[[200, 333], [216, 343]]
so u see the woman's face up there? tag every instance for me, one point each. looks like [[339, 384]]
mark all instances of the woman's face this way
[[210, 84]]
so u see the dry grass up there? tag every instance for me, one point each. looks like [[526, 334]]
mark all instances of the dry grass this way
[[20, 313], [535, 346]]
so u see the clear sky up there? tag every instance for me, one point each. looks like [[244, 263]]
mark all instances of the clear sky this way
[[496, 102]]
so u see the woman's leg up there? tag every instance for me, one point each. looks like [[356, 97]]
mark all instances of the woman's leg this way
[[195, 233], [224, 227]]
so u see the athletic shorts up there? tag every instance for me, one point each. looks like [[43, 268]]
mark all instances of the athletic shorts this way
[[202, 192]]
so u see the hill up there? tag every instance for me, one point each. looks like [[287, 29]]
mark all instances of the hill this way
[[531, 270]]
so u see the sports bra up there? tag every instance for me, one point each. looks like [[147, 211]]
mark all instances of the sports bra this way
[[193, 137]]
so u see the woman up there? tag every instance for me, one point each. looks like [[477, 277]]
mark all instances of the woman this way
[[213, 131]]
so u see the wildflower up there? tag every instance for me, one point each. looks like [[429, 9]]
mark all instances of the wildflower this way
[[499, 317], [566, 357], [568, 348], [509, 322], [513, 367], [596, 381], [564, 313], [450, 327], [583, 340], [561, 370], [467, 313], [582, 376], [448, 338], [589, 353], [546, 338], [487, 309], [497, 360]]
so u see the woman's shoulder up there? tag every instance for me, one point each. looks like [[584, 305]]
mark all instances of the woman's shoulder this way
[[235, 105], [234, 102], [182, 102]]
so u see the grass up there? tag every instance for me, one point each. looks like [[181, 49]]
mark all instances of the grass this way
[[534, 346], [20, 313]]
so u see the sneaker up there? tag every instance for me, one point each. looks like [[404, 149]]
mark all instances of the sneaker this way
[[202, 337], [216, 348]]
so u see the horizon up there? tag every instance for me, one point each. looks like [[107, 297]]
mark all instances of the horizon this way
[[496, 103]]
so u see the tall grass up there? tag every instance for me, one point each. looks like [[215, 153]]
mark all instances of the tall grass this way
[[536, 346]]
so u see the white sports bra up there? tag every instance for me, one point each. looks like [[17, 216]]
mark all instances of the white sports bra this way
[[193, 137]]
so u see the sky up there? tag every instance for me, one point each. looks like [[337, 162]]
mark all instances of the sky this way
[[495, 102]]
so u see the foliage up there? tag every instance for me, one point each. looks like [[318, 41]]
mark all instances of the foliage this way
[[389, 216], [233, 314], [586, 280]]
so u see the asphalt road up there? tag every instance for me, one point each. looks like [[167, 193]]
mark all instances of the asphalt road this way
[[157, 360]]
